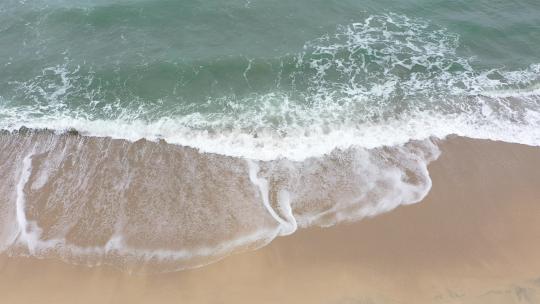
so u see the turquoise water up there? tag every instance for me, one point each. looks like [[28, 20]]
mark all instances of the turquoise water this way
[[267, 79]]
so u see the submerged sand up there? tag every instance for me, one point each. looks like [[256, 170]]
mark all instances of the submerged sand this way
[[474, 239]]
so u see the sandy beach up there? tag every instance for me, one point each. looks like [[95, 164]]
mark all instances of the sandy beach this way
[[474, 239]]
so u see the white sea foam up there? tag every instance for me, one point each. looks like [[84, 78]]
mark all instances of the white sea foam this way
[[384, 81], [315, 141], [116, 247], [286, 226], [24, 235]]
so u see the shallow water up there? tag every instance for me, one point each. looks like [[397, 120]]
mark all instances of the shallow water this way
[[98, 200]]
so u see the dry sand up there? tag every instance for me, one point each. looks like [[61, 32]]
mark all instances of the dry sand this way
[[474, 239]]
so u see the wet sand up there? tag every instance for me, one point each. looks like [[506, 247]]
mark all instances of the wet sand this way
[[474, 239]]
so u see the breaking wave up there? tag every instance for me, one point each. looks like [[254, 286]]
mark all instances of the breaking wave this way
[[383, 81]]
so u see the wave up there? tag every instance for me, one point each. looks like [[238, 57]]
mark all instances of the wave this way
[[383, 81]]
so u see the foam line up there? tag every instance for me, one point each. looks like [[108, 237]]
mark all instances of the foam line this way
[[286, 227], [284, 200], [20, 202], [117, 246]]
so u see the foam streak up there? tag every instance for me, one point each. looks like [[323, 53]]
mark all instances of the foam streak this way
[[20, 202], [286, 227]]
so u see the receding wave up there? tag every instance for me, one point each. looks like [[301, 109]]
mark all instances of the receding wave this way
[[131, 204]]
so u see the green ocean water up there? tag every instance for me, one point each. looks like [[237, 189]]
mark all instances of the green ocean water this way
[[261, 73]]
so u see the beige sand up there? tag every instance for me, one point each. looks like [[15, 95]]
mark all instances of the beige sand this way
[[474, 239]]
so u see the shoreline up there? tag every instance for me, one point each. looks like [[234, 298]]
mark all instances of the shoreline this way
[[475, 238]]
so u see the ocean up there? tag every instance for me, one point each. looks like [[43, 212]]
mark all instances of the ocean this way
[[172, 133]]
